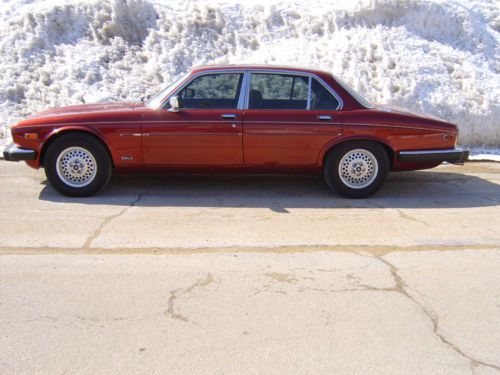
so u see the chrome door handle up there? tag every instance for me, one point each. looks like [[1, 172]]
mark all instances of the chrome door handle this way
[[227, 116], [324, 118]]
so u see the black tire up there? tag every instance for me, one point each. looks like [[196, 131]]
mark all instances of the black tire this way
[[354, 179], [94, 166]]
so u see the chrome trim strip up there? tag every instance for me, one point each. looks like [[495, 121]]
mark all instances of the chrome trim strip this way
[[244, 92], [247, 90], [216, 121], [130, 134], [402, 127], [20, 151], [165, 134], [292, 122], [290, 132], [266, 122], [309, 85], [431, 152], [454, 156], [246, 84]]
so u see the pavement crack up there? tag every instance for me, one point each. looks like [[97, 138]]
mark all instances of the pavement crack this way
[[408, 217], [402, 287], [400, 212], [108, 219], [177, 293]]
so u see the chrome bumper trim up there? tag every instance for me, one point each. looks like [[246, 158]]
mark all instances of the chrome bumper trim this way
[[455, 156]]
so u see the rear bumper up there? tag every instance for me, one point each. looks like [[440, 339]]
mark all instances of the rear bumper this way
[[455, 156], [14, 153]]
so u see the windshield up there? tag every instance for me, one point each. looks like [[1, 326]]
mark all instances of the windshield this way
[[156, 100], [365, 103]]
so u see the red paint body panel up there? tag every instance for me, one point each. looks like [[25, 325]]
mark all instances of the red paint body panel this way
[[192, 137], [141, 138], [283, 138]]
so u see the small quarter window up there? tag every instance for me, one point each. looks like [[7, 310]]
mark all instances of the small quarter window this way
[[321, 98], [278, 91], [212, 91]]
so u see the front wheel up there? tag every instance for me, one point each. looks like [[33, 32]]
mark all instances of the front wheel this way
[[356, 169], [77, 165]]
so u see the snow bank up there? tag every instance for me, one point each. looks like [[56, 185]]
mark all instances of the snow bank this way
[[437, 57]]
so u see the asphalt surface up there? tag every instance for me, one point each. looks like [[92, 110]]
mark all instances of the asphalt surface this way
[[251, 274]]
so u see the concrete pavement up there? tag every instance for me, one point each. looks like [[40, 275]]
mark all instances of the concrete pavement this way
[[450, 205], [212, 275], [427, 312]]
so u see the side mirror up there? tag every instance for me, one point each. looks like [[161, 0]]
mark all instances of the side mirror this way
[[174, 104]]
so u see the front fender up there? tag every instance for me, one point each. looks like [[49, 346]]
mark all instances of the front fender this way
[[52, 135]]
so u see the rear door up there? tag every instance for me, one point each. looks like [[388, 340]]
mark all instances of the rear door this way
[[290, 117]]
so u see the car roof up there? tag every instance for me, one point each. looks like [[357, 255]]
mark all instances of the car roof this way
[[204, 68]]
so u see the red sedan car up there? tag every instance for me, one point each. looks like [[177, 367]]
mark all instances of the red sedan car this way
[[257, 119]]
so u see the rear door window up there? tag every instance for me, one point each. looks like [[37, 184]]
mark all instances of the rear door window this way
[[278, 91]]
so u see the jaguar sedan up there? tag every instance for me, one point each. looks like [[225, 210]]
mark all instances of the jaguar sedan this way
[[250, 119]]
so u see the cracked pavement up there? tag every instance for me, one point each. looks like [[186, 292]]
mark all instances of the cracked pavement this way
[[208, 275]]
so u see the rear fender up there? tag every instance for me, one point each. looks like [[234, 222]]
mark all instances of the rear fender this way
[[337, 141]]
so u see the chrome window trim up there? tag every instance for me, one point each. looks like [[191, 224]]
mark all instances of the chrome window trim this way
[[190, 78], [246, 94], [243, 90], [245, 87], [295, 73], [309, 86]]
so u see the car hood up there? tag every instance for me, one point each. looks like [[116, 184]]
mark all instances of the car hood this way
[[84, 109]]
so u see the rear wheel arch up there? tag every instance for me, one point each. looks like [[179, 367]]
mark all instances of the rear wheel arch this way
[[356, 169], [388, 149], [52, 138]]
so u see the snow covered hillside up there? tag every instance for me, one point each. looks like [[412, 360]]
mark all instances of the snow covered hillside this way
[[437, 57]]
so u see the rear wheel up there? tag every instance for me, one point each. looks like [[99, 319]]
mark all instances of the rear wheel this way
[[356, 169], [77, 165]]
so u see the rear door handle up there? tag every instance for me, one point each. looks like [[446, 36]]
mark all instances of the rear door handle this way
[[228, 116], [324, 118]]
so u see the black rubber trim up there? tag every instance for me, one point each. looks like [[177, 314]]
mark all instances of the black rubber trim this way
[[14, 153], [455, 156]]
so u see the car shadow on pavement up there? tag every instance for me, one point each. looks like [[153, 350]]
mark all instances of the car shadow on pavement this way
[[417, 189]]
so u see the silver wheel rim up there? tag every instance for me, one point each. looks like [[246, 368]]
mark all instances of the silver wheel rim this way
[[358, 168], [76, 167]]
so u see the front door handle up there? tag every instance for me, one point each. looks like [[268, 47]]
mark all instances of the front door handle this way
[[228, 116], [324, 118]]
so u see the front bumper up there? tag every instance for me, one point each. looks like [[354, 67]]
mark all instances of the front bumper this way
[[14, 153], [454, 156]]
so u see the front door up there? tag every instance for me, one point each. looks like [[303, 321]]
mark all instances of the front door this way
[[207, 129]]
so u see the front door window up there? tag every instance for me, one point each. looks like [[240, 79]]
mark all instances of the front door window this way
[[212, 91]]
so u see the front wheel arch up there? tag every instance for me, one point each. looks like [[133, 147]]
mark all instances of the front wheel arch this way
[[60, 134], [78, 165]]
